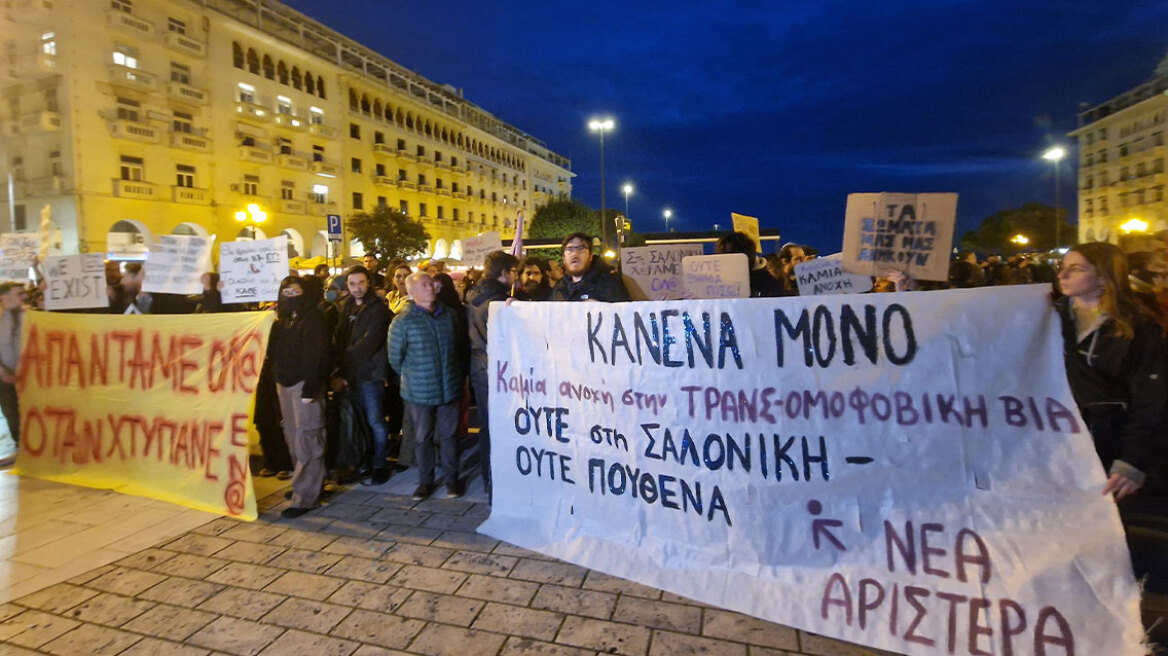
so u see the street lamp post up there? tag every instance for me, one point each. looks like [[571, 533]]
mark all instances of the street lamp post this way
[[1055, 154], [250, 217], [628, 189], [602, 126], [668, 213]]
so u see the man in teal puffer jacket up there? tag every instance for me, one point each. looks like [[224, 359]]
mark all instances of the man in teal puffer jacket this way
[[425, 348]]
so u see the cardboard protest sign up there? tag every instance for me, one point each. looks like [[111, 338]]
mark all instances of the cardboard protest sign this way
[[825, 275], [716, 276], [912, 233], [74, 282], [654, 272], [251, 271], [18, 252], [873, 468], [176, 264], [155, 406], [748, 225], [475, 249]]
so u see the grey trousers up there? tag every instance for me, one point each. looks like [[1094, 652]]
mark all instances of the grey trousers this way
[[304, 433], [435, 424]]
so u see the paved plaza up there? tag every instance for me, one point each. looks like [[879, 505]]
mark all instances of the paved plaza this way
[[372, 573]]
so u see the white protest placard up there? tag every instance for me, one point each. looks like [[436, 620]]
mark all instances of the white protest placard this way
[[747, 225], [883, 468], [654, 272], [176, 264], [18, 252], [74, 282], [716, 276], [251, 271], [475, 249], [825, 275], [912, 233]]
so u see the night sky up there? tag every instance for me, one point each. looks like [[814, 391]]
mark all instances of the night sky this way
[[780, 109]]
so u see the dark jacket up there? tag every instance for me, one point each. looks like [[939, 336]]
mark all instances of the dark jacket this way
[[600, 283], [764, 285], [478, 301], [542, 293], [298, 351], [424, 349], [1121, 388], [359, 341]]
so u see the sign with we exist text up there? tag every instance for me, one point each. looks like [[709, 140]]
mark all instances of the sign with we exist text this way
[[876, 468]]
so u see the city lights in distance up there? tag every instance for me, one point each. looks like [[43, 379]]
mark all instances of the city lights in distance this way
[[1134, 225]]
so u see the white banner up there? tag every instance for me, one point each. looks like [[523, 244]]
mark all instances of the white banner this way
[[825, 275], [912, 233], [716, 276], [74, 282], [884, 469], [18, 252], [475, 249], [251, 271], [654, 272], [176, 264]]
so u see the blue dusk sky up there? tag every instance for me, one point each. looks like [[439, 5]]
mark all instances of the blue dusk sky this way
[[780, 109]]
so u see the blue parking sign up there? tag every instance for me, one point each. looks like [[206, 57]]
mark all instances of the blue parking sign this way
[[334, 227]]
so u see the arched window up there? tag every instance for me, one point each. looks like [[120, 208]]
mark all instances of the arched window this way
[[353, 102], [253, 61], [296, 78], [320, 86], [445, 136], [377, 107], [388, 113], [398, 118], [309, 83], [282, 72], [237, 55], [269, 68], [365, 103], [410, 121]]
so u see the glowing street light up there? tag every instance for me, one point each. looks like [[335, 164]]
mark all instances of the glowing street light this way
[[1021, 240], [628, 189], [667, 213], [602, 126], [251, 217], [1055, 154], [1134, 225]]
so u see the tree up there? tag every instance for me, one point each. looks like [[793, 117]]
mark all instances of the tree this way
[[1035, 221], [560, 218], [388, 234]]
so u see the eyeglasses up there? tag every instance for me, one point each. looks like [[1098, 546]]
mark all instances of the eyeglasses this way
[[291, 291], [575, 249]]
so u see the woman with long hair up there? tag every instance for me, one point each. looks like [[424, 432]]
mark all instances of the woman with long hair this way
[[1117, 364]]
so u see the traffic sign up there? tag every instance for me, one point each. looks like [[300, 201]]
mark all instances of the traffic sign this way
[[334, 227]]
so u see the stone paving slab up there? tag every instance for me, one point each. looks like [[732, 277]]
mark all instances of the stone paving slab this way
[[374, 574]]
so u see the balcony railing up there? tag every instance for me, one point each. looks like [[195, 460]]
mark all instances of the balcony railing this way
[[185, 44], [426, 189], [290, 161], [252, 111], [289, 206], [46, 186], [405, 154], [132, 77], [327, 169], [406, 184], [442, 191], [384, 180], [133, 189], [186, 93], [323, 130], [190, 195], [320, 209], [189, 140], [40, 122], [384, 149], [291, 122], [130, 23], [133, 131], [253, 154]]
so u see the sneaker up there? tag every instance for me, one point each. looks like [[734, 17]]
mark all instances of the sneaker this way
[[283, 475], [292, 513], [455, 489], [378, 477], [423, 492]]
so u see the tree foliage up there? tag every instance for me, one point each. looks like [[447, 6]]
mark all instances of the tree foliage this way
[[387, 233], [1033, 220], [560, 218]]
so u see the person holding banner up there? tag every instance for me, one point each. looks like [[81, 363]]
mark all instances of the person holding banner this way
[[1117, 364], [297, 352], [533, 280], [11, 316], [586, 277], [762, 283]]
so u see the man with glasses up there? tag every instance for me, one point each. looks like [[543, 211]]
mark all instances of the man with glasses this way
[[586, 277]]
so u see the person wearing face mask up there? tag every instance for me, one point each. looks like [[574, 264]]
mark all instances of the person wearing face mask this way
[[297, 352]]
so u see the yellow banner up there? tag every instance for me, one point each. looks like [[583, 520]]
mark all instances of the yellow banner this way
[[155, 406]]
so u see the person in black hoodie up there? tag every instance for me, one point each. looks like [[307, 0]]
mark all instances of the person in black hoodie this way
[[499, 272], [762, 283], [299, 359], [586, 277], [1117, 364]]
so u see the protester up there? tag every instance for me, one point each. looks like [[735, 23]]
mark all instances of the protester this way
[[762, 283], [533, 280], [586, 277], [498, 278], [321, 271], [790, 255], [361, 365], [397, 295], [376, 280], [12, 297], [423, 349], [1117, 364], [555, 272], [299, 360], [127, 296]]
